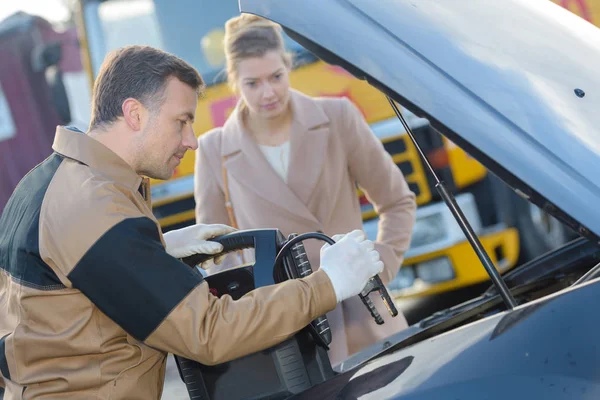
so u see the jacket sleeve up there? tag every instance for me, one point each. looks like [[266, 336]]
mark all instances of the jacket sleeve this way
[[385, 187], [116, 257]]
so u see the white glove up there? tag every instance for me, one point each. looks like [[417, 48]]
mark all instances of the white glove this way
[[193, 239], [350, 263]]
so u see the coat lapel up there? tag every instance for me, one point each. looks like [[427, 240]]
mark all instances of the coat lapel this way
[[246, 164], [309, 138]]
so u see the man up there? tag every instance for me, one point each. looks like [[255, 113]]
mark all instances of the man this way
[[92, 294]]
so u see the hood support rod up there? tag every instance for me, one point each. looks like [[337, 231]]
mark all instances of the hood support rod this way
[[461, 219]]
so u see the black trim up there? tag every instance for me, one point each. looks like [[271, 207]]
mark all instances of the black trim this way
[[129, 276], [3, 361], [396, 146], [406, 167], [19, 236], [510, 179], [179, 225], [176, 207], [414, 188]]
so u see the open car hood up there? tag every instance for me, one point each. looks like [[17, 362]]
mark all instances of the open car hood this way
[[513, 82]]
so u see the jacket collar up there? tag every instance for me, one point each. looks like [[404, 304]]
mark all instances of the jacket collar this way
[[307, 115], [74, 144], [245, 162]]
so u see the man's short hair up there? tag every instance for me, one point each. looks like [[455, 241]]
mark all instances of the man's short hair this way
[[139, 72]]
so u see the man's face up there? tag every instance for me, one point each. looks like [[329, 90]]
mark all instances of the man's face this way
[[168, 133]]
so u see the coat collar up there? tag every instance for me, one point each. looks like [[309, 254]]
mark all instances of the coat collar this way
[[73, 143], [307, 115], [246, 163]]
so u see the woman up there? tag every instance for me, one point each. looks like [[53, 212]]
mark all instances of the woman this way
[[285, 160]]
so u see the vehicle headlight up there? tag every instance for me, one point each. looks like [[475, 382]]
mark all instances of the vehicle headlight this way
[[435, 227], [432, 271], [436, 270], [428, 229]]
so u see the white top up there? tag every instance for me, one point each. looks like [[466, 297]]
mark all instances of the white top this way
[[278, 157]]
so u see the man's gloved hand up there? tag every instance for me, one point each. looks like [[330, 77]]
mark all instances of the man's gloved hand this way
[[193, 239], [350, 263]]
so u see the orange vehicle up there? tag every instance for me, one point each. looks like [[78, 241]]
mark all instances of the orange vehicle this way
[[509, 228]]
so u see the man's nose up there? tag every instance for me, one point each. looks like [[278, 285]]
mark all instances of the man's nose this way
[[189, 139]]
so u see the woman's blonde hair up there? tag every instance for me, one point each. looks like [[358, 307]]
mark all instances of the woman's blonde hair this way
[[251, 36]]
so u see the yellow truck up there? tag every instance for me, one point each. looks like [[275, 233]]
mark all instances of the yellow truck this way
[[510, 229]]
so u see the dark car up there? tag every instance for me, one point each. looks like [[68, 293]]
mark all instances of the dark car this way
[[516, 84]]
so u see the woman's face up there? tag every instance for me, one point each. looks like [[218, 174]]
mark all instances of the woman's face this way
[[264, 85]]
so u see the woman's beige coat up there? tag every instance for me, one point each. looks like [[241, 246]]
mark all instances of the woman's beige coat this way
[[332, 149]]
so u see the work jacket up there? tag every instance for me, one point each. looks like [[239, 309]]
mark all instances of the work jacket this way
[[91, 303]]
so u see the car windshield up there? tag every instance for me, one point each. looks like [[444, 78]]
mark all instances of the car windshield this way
[[190, 29]]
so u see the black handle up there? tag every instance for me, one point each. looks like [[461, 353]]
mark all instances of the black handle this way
[[376, 285], [234, 241], [371, 307]]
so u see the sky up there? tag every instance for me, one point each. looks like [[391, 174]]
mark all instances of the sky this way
[[52, 10]]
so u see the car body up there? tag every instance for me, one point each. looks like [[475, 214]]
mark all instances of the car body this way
[[515, 84]]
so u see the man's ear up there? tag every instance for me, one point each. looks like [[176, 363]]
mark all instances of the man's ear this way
[[132, 113]]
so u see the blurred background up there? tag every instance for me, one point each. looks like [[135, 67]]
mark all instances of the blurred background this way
[[51, 50]]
